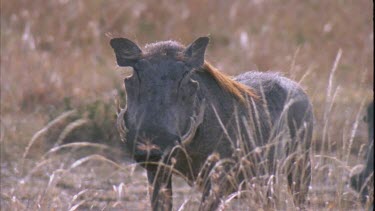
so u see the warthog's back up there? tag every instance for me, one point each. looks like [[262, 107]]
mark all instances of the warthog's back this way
[[289, 109], [279, 92]]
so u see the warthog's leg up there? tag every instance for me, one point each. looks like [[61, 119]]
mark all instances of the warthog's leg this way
[[160, 181], [298, 149], [298, 164], [218, 184], [299, 177], [210, 198]]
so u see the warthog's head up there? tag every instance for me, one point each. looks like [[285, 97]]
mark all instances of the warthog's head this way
[[163, 107]]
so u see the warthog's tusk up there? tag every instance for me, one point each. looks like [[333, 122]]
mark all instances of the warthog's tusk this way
[[195, 121], [121, 127]]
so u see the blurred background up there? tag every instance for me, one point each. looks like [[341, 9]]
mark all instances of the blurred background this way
[[56, 58]]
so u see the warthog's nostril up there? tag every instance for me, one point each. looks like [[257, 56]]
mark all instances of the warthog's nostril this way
[[148, 156], [147, 152], [147, 147]]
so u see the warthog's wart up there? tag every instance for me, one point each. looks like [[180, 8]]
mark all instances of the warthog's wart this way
[[184, 117]]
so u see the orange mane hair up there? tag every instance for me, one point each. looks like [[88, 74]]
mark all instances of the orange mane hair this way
[[237, 89]]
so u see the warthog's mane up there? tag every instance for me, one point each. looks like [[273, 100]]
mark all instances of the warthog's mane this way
[[235, 88], [175, 49]]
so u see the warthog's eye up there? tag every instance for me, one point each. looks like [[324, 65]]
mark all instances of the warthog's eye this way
[[188, 90], [185, 77], [193, 87], [180, 64]]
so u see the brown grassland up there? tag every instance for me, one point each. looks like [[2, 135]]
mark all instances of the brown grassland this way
[[59, 146]]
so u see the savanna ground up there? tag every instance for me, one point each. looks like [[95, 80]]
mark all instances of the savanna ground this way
[[59, 79]]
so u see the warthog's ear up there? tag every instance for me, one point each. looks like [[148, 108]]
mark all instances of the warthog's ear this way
[[127, 52], [194, 53]]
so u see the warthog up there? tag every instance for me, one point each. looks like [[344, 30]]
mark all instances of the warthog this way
[[184, 117], [364, 180]]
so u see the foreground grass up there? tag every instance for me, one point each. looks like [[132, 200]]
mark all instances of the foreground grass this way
[[88, 175]]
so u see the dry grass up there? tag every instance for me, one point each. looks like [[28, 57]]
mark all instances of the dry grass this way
[[55, 57]]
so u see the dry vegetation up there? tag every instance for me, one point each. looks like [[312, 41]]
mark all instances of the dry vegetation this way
[[58, 80]]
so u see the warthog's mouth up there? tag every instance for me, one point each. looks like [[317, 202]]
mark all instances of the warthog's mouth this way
[[147, 153]]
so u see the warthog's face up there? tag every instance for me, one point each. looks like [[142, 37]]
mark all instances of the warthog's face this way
[[163, 107]]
